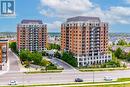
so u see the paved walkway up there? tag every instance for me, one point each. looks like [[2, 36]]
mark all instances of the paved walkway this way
[[5, 67]]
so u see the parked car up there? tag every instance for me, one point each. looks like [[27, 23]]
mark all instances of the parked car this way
[[78, 80], [108, 78], [13, 82]]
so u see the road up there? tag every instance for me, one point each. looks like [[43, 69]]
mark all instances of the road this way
[[22, 78], [13, 64]]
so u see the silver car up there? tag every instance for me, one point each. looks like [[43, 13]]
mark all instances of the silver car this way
[[108, 78], [12, 82]]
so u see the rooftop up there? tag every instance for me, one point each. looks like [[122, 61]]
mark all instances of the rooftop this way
[[31, 21], [3, 41], [83, 18]]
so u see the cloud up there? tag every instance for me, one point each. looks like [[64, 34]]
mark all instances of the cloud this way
[[119, 14], [54, 26], [65, 8], [121, 11], [69, 8]]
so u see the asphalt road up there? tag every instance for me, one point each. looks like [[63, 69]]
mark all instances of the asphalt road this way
[[15, 74]]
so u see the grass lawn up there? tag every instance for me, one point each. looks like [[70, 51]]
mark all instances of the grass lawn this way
[[115, 85], [123, 79], [102, 69], [118, 85]]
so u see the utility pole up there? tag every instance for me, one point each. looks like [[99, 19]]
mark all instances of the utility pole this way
[[93, 73], [93, 76]]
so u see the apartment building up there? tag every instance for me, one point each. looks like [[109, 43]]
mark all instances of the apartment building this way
[[31, 35], [3, 52], [87, 39]]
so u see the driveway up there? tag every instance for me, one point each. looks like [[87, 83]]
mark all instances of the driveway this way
[[61, 63]]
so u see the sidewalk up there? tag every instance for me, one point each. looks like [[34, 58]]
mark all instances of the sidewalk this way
[[5, 68]]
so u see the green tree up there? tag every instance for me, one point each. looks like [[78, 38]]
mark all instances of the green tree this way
[[69, 58], [128, 56], [13, 47], [111, 64], [54, 46], [122, 42], [26, 55], [23, 55], [113, 43], [57, 55], [36, 58], [118, 53], [44, 53], [44, 62], [51, 67]]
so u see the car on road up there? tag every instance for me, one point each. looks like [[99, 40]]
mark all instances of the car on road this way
[[78, 80], [108, 78], [13, 82]]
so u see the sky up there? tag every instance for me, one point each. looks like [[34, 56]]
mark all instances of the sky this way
[[55, 12]]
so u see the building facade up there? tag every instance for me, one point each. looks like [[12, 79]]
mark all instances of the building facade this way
[[87, 39], [31, 35], [3, 52]]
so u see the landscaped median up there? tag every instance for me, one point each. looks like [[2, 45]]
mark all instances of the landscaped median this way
[[121, 82], [102, 69], [48, 71]]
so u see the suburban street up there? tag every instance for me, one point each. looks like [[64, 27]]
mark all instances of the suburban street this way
[[63, 77]]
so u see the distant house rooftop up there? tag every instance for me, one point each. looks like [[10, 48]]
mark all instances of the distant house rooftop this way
[[3, 41], [31, 21], [83, 18]]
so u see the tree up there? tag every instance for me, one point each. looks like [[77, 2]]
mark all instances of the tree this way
[[113, 43], [118, 53], [57, 55], [111, 64], [51, 67], [128, 57], [44, 62], [44, 53], [122, 42], [37, 58], [13, 47], [23, 55], [54, 46], [26, 55], [69, 58]]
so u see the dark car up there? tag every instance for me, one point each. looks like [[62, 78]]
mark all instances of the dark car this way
[[78, 80]]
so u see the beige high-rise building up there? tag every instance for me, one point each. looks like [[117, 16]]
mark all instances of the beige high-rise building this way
[[87, 39]]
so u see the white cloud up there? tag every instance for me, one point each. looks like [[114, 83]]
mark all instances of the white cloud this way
[[119, 14], [69, 8], [121, 11], [65, 8]]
